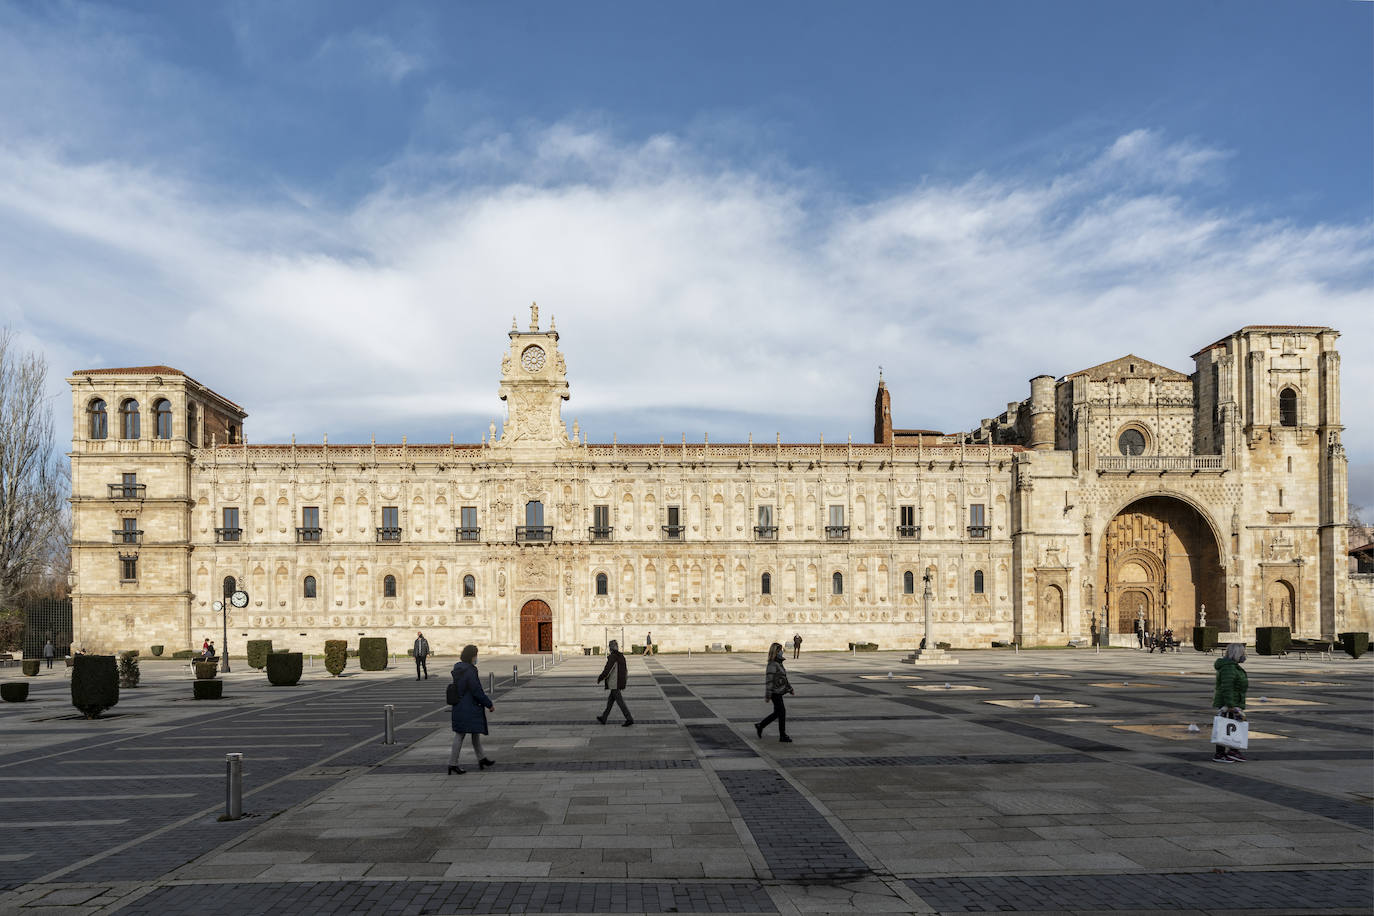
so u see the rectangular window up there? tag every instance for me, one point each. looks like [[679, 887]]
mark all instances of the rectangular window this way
[[391, 524], [837, 528], [310, 524], [534, 528], [674, 528], [468, 530], [231, 529], [534, 514], [977, 521], [906, 525], [128, 569], [130, 485], [601, 523], [128, 531], [766, 530]]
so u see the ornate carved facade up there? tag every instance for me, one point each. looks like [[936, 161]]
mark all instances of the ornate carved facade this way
[[1124, 490]]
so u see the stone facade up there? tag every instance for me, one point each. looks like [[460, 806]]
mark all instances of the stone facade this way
[[1122, 490]]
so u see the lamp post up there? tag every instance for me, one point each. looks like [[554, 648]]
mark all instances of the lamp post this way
[[925, 601]]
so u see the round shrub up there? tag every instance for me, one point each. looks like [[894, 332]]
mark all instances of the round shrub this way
[[206, 671], [372, 653], [1355, 644], [30, 666], [157, 650], [335, 656], [284, 668], [207, 690], [257, 652], [14, 691], [95, 683]]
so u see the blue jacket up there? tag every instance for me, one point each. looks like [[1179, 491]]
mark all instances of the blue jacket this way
[[470, 712]]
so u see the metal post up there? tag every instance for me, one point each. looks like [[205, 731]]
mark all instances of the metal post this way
[[390, 716], [531, 667], [925, 600], [233, 787], [224, 636], [491, 682], [514, 675]]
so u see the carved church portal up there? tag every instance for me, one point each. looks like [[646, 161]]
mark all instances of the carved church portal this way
[[1159, 562], [536, 628], [1279, 607]]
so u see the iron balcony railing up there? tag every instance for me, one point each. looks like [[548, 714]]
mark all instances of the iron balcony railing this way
[[837, 532], [469, 534], [128, 535], [979, 531], [533, 534], [674, 532], [228, 534], [766, 532], [908, 531], [308, 535], [388, 535], [599, 532], [127, 490]]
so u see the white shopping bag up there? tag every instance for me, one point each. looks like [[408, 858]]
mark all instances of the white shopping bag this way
[[1230, 733]]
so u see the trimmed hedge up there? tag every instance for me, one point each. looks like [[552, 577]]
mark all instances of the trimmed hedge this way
[[128, 669], [1354, 644], [372, 653], [206, 671], [157, 650], [284, 668], [95, 683], [1272, 640], [184, 653], [257, 652], [30, 667], [863, 646], [1205, 638], [207, 690], [14, 691], [335, 656]]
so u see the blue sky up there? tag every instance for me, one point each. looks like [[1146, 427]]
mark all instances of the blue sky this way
[[780, 197]]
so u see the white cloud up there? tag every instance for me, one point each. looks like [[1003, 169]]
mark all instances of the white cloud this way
[[689, 293], [368, 52]]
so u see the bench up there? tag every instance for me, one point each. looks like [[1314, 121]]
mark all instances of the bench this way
[[1320, 647], [7, 659]]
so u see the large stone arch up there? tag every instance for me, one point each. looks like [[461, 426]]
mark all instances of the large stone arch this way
[[1160, 559]]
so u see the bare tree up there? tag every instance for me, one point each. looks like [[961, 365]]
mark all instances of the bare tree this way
[[32, 504]]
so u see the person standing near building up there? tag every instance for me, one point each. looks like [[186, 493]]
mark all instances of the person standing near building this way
[[469, 713], [1139, 633], [1229, 696], [421, 653], [775, 687], [796, 645], [49, 651], [615, 670]]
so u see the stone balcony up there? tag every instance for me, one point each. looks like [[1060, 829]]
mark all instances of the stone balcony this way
[[1130, 464]]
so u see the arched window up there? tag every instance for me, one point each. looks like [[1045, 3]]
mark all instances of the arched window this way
[[230, 586], [469, 586], [162, 411], [99, 419], [978, 582], [128, 419], [389, 587], [309, 591], [837, 584], [602, 584], [191, 424], [1288, 407], [231, 434], [908, 583], [766, 584]]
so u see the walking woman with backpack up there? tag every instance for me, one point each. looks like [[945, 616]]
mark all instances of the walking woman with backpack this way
[[470, 704]]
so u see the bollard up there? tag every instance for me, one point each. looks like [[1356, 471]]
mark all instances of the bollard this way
[[514, 675], [491, 682], [389, 714], [531, 667], [233, 787]]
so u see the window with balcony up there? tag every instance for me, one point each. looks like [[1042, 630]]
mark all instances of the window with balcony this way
[[128, 567], [308, 590], [534, 530], [391, 525], [97, 420], [231, 530], [837, 584], [128, 419], [836, 529], [309, 531], [765, 530], [766, 584], [389, 587], [128, 532], [601, 523], [673, 531], [469, 586], [603, 584], [127, 488], [908, 583], [162, 417], [977, 521], [906, 522], [468, 530]]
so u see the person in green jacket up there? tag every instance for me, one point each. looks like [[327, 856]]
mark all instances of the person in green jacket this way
[[1229, 696]]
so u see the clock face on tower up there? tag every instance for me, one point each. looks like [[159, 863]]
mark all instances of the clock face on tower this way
[[532, 358]]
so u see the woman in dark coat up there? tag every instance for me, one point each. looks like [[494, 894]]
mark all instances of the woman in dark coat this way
[[1229, 696], [469, 713], [775, 687]]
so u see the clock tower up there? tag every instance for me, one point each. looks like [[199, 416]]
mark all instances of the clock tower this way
[[534, 385]]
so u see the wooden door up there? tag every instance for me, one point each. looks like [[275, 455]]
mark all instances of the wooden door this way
[[536, 628]]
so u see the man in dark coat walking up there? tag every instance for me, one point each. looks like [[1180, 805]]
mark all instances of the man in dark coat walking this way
[[421, 653], [614, 670]]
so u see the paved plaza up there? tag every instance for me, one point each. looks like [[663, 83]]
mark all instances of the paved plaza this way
[[921, 790]]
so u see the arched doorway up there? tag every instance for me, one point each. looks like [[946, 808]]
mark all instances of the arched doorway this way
[[1051, 612], [1159, 561], [1279, 606], [536, 628]]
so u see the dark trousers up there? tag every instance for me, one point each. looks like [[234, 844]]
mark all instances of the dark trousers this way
[[421, 666], [49, 661], [615, 699], [796, 650], [780, 713]]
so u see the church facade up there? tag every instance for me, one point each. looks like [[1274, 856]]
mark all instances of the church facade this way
[[1123, 492]]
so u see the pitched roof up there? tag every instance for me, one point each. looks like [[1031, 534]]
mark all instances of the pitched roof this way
[[1128, 365], [132, 370]]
